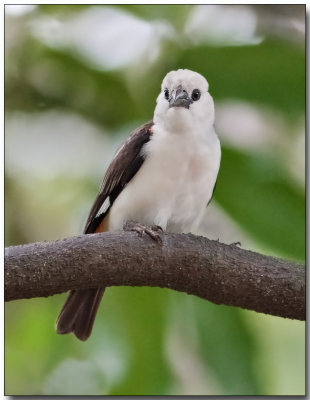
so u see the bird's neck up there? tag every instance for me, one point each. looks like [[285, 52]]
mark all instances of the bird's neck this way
[[183, 124]]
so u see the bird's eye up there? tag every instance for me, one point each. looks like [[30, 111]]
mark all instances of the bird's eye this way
[[196, 94], [167, 94]]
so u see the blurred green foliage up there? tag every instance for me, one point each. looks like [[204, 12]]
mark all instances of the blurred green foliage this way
[[150, 341], [271, 73], [256, 183]]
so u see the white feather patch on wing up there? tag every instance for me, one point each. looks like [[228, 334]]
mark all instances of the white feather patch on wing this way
[[104, 207]]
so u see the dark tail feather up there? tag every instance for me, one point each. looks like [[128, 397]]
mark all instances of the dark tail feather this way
[[79, 312]]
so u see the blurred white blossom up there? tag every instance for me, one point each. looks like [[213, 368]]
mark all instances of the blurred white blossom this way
[[222, 25], [116, 39]]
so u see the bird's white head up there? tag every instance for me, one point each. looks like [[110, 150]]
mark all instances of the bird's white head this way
[[184, 102]]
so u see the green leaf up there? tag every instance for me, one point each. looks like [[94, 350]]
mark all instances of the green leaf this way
[[69, 84], [271, 73], [221, 339], [228, 347], [259, 195], [140, 317]]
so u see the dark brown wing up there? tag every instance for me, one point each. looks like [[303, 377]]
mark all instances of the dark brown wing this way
[[123, 167]]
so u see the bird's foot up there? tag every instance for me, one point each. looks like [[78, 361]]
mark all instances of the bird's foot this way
[[235, 244], [142, 230]]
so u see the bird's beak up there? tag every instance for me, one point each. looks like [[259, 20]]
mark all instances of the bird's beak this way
[[179, 98]]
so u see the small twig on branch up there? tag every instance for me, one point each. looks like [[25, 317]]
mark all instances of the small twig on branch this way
[[208, 269]]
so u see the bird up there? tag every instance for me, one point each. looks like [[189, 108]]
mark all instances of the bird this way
[[162, 177]]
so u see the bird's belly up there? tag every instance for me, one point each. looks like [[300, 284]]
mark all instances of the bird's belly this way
[[169, 191]]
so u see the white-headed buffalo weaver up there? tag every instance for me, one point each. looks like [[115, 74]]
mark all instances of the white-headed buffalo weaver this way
[[163, 176]]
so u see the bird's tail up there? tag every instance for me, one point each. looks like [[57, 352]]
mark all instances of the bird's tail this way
[[78, 313]]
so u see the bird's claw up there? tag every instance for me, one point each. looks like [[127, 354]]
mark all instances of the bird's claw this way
[[152, 232], [157, 228], [235, 244]]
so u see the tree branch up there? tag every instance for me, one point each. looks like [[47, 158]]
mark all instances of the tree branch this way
[[222, 274]]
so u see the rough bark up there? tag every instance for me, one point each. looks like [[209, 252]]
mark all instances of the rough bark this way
[[222, 274]]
